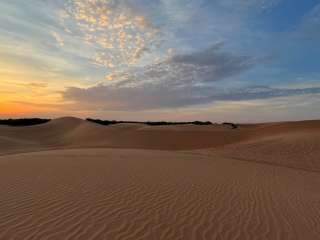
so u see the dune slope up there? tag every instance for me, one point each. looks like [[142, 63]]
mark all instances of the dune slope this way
[[290, 145], [138, 194]]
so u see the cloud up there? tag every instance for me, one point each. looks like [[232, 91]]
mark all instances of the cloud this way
[[117, 32], [36, 85], [195, 68], [180, 81], [262, 92], [151, 97], [213, 64], [58, 38]]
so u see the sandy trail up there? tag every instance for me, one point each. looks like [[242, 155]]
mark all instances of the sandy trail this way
[[257, 182]]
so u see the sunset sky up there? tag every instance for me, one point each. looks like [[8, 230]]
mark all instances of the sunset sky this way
[[217, 60]]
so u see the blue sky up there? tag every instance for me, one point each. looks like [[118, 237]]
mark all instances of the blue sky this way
[[239, 60]]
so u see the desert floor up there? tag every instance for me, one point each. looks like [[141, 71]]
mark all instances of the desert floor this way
[[72, 179]]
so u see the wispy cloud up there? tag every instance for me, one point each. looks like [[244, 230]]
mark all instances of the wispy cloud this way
[[58, 38]]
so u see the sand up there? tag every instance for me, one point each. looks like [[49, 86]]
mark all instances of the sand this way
[[72, 179]]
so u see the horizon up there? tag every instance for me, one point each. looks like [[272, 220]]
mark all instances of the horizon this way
[[238, 61], [153, 121]]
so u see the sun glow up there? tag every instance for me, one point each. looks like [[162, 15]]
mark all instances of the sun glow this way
[[14, 109]]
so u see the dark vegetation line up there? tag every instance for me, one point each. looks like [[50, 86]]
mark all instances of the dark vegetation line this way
[[161, 123], [35, 121], [23, 122]]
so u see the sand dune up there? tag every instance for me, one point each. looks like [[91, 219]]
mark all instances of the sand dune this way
[[80, 180], [139, 194], [73, 132], [299, 150], [295, 145]]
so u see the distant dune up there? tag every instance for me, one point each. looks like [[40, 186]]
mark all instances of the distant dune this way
[[74, 179], [73, 132]]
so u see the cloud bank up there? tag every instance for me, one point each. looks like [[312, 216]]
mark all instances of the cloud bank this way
[[180, 81]]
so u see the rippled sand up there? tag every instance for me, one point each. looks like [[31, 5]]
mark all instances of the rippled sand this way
[[71, 179]]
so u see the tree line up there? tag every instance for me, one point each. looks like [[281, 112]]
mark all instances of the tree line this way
[[36, 121], [23, 122], [150, 123]]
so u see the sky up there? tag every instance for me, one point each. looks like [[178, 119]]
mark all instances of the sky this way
[[174, 60]]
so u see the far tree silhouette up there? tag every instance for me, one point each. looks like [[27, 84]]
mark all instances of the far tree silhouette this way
[[160, 123], [23, 122]]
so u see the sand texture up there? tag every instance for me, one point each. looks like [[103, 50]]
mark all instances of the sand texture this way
[[72, 179]]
